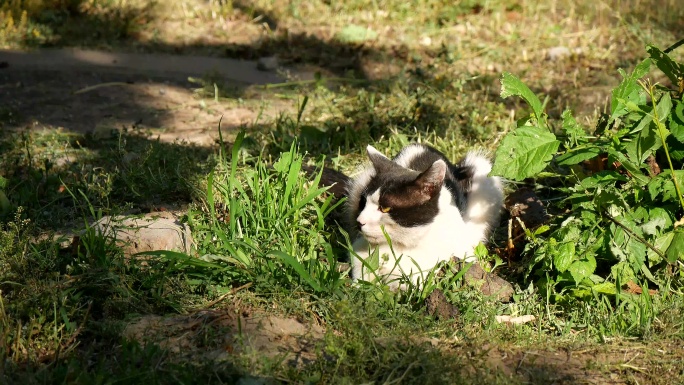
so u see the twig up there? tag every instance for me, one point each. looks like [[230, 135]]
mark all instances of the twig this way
[[312, 81], [674, 46], [101, 85], [224, 296], [630, 232], [635, 368]]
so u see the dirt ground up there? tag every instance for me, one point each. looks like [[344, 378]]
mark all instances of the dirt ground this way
[[96, 92], [216, 334]]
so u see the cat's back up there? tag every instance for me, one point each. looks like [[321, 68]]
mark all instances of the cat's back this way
[[419, 157]]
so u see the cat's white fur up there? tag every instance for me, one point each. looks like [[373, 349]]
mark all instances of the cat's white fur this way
[[416, 250]]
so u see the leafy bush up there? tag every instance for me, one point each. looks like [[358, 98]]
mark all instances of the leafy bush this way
[[621, 203]]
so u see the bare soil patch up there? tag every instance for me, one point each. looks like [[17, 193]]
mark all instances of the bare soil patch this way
[[94, 92], [219, 334]]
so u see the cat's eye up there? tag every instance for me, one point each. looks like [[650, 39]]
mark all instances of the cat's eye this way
[[384, 209]]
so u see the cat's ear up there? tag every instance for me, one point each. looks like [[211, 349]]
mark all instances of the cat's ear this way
[[430, 181], [380, 161]]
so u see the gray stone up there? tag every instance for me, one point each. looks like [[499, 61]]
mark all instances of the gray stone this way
[[489, 284], [154, 231]]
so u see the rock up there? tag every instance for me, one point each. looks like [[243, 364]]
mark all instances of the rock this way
[[154, 231], [436, 305], [268, 63], [488, 283]]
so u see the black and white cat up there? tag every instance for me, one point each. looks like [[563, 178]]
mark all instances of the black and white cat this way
[[431, 210]]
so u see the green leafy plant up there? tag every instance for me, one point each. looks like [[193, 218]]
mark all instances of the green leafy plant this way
[[620, 185]]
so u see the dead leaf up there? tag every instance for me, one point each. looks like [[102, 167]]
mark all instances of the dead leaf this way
[[633, 288], [680, 222]]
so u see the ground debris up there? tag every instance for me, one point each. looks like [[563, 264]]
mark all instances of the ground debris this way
[[507, 319], [437, 305], [526, 211]]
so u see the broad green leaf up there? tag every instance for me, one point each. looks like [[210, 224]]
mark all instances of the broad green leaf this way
[[578, 155], [563, 256], [662, 110], [675, 251], [629, 92], [658, 220], [672, 69], [664, 107], [603, 178], [662, 187], [583, 268], [628, 164], [605, 288], [524, 152], [574, 131], [622, 272], [646, 143], [512, 86], [662, 243], [625, 245], [676, 148], [676, 122], [541, 229]]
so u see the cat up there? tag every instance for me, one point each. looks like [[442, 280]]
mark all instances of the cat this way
[[430, 209]]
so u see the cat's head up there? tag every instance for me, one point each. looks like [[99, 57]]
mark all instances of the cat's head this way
[[398, 199]]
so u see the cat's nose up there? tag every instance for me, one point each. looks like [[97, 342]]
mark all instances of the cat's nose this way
[[361, 221]]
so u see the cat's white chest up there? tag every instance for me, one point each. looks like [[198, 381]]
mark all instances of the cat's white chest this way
[[445, 238]]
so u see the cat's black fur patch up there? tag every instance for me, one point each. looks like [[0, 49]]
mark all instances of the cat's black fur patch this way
[[407, 214], [396, 184], [398, 189], [458, 177]]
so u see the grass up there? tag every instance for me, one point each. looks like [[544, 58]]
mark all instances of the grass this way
[[264, 247]]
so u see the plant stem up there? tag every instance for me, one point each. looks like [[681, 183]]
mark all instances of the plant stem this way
[[633, 234], [661, 130]]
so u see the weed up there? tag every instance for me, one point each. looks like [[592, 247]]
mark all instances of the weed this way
[[624, 207]]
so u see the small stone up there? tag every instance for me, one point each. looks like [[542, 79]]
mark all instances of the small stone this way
[[489, 284], [268, 63], [558, 53]]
